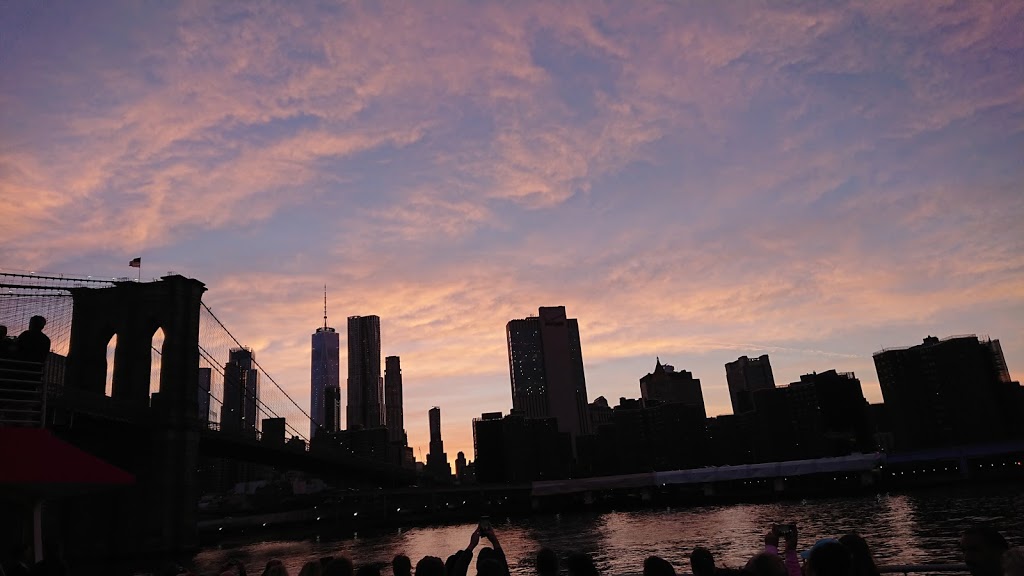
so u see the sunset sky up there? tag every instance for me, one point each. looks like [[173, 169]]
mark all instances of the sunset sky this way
[[692, 180]]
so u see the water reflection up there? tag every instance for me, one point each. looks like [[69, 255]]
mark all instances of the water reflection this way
[[902, 529]]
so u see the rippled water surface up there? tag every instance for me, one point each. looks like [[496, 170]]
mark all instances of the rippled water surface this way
[[902, 529]]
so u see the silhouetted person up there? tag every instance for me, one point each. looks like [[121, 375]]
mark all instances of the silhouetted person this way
[[401, 565], [1013, 561], [18, 560], [340, 566], [452, 564], [580, 564], [5, 343], [275, 568], [829, 558], [368, 570], [233, 567], [788, 532], [32, 344], [429, 566], [547, 562], [312, 568], [491, 561], [658, 566], [863, 561], [702, 563], [983, 548], [766, 564]]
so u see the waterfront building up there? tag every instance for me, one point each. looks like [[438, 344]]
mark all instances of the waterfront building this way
[[667, 386], [949, 392], [546, 369], [517, 449], [746, 376]]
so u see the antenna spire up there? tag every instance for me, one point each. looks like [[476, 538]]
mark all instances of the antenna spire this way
[[325, 305]]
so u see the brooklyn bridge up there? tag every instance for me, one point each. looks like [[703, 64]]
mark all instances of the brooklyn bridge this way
[[138, 376]]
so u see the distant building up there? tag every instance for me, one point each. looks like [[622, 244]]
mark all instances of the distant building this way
[[241, 392], [949, 392], [600, 413], [437, 460], [324, 373], [395, 419], [460, 466], [546, 370], [746, 376], [332, 409], [273, 432], [516, 449], [489, 448], [824, 414], [368, 443], [668, 386], [730, 439], [203, 400], [365, 385]]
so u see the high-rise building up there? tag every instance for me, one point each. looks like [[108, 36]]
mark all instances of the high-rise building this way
[[241, 392], [824, 414], [395, 419], [546, 369], [332, 409], [365, 385], [437, 460], [671, 387], [324, 374], [517, 449], [460, 465], [746, 376], [203, 407], [946, 392]]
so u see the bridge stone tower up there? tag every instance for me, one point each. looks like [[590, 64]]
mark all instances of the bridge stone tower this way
[[134, 311]]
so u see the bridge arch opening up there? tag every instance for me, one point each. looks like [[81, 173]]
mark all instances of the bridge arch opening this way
[[156, 353], [108, 390]]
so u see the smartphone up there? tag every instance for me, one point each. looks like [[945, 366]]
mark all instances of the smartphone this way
[[784, 530], [485, 523]]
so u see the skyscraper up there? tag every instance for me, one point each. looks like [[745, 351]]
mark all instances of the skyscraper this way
[[546, 369], [437, 460], [332, 409], [365, 386], [393, 400], [746, 376], [946, 392], [241, 391], [324, 375], [203, 407]]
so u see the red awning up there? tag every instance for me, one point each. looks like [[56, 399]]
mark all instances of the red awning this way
[[34, 459]]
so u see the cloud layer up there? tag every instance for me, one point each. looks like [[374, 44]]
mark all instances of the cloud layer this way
[[691, 181]]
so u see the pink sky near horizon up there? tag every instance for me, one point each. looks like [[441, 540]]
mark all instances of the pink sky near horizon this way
[[692, 181]]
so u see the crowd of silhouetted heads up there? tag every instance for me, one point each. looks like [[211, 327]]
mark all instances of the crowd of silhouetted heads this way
[[29, 346], [983, 550]]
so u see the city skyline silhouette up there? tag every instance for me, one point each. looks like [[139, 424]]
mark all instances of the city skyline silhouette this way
[[693, 183]]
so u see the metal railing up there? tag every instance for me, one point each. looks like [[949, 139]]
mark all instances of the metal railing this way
[[22, 393]]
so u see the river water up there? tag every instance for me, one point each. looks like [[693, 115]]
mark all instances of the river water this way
[[901, 529]]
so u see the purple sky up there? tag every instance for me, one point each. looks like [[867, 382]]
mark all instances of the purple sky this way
[[693, 181]]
